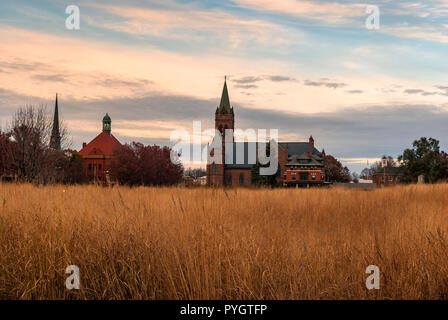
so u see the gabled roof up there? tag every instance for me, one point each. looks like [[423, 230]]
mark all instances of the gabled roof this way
[[305, 160], [297, 148], [104, 143]]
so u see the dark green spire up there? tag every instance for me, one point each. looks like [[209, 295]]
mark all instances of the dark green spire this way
[[55, 139], [224, 105], [107, 123]]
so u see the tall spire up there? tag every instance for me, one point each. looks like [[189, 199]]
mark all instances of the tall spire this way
[[55, 140], [224, 105]]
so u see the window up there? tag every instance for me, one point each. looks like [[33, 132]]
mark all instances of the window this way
[[215, 169], [293, 176], [99, 166], [313, 176], [241, 179], [303, 175], [99, 178], [391, 178], [228, 180], [90, 166]]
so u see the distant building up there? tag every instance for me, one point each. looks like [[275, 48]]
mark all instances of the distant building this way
[[305, 165], [388, 176], [300, 163], [97, 155], [55, 139]]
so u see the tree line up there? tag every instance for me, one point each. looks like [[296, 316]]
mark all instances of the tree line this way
[[25, 156], [423, 158]]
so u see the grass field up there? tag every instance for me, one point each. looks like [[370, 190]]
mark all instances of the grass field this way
[[170, 243]]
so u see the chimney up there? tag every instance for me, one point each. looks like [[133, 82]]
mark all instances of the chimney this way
[[84, 145], [310, 146], [323, 154]]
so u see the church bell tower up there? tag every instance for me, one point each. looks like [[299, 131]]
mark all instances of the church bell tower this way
[[224, 120], [107, 123], [224, 117]]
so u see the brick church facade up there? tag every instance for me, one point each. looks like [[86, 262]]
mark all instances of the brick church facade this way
[[300, 163], [97, 155]]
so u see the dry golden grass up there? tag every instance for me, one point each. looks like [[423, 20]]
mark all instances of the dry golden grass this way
[[169, 243]]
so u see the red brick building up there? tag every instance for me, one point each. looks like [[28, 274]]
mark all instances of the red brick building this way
[[300, 163], [389, 176], [97, 155]]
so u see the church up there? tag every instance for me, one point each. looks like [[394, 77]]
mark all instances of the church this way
[[300, 163], [97, 155]]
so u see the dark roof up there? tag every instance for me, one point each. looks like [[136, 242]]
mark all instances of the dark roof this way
[[224, 104], [305, 160], [297, 148], [390, 170]]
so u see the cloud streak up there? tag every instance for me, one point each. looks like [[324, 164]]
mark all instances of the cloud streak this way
[[325, 83]]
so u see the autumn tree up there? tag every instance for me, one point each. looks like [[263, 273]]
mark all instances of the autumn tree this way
[[8, 149], [30, 130], [423, 158], [264, 180], [136, 164], [335, 171], [25, 149], [73, 170]]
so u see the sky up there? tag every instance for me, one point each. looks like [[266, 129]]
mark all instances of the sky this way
[[302, 67]]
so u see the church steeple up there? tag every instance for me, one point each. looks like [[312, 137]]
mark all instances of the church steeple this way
[[55, 140], [224, 117], [107, 123], [224, 105]]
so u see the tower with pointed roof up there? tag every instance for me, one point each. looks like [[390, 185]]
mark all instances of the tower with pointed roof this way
[[300, 163], [224, 116], [55, 139], [224, 120]]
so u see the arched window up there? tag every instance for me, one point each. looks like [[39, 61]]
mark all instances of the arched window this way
[[241, 179]]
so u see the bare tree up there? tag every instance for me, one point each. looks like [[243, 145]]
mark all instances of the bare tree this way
[[31, 129]]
